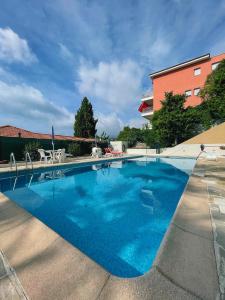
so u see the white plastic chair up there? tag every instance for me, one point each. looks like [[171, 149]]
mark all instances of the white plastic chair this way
[[60, 155], [43, 157], [63, 155], [96, 152]]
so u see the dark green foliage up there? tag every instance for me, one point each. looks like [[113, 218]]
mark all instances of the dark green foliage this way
[[151, 138], [85, 148], [32, 148], [173, 124], [213, 95], [79, 148], [102, 137], [85, 124], [74, 149], [17, 145], [131, 135]]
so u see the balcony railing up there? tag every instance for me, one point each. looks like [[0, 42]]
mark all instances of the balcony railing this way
[[147, 97], [147, 111]]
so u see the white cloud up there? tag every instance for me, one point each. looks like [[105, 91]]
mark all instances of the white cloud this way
[[156, 50], [109, 123], [65, 52], [6, 75], [160, 48], [27, 106], [13, 48], [137, 122], [115, 85], [112, 124]]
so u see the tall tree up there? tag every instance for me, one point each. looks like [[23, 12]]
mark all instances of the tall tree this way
[[174, 123], [213, 95], [131, 135], [85, 123]]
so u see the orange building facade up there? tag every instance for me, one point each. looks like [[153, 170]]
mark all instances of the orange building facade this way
[[185, 78]]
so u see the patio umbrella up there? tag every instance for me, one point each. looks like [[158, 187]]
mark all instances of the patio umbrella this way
[[53, 146]]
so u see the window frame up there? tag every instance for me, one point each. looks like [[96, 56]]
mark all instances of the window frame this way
[[197, 69], [186, 93], [198, 91], [215, 64]]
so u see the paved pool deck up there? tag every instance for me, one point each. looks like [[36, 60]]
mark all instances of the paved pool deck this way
[[69, 162], [189, 263]]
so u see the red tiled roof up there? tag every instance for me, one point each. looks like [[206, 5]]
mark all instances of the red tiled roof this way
[[11, 131]]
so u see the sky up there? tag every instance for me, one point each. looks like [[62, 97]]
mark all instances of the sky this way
[[55, 52]]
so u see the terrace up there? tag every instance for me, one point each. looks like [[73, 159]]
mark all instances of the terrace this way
[[186, 266]]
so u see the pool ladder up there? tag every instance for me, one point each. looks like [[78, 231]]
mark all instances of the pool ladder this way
[[13, 162], [28, 160]]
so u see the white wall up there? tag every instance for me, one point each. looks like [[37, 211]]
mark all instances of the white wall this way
[[141, 151], [119, 145], [193, 150]]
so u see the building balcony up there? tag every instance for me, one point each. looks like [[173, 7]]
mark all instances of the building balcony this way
[[147, 113], [147, 98]]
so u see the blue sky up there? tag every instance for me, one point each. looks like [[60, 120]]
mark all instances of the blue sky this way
[[53, 53]]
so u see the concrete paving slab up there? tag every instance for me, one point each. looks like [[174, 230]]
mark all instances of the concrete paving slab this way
[[10, 286], [11, 217], [152, 286], [4, 202], [218, 221], [62, 272], [2, 268], [26, 240], [8, 291], [192, 213], [189, 261]]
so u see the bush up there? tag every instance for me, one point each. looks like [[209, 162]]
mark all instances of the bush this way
[[131, 135], [32, 148], [74, 149], [151, 138]]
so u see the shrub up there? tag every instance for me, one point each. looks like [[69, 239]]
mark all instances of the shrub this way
[[74, 149], [32, 148], [131, 135]]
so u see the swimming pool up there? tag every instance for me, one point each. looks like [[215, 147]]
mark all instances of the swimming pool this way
[[116, 213]]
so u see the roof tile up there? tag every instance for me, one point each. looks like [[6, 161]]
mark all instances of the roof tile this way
[[12, 131]]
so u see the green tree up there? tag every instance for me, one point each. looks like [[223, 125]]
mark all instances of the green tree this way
[[174, 123], [32, 148], [103, 136], [85, 124], [131, 135], [151, 138], [213, 95]]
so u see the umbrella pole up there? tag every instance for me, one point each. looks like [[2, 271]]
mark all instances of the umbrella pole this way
[[53, 152]]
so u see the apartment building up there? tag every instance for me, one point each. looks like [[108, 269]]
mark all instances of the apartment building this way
[[185, 78]]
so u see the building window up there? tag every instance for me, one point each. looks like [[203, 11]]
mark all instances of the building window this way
[[214, 66], [188, 93], [197, 71], [196, 91]]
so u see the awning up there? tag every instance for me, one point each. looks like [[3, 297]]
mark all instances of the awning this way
[[143, 106]]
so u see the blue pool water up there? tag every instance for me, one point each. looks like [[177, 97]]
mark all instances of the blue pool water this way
[[116, 213]]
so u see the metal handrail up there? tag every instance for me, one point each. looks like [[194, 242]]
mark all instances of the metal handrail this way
[[28, 158], [13, 162]]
